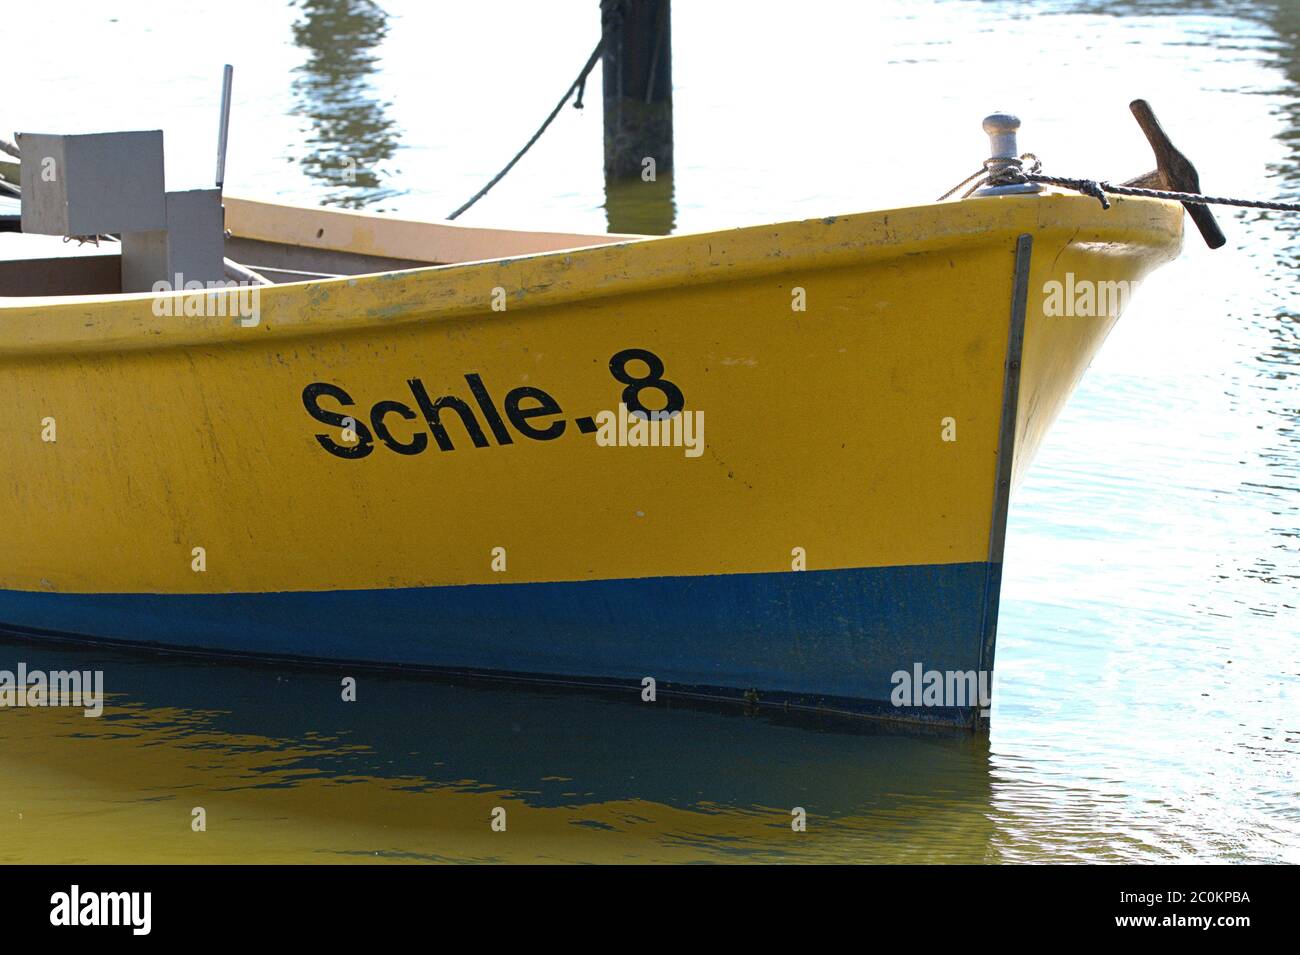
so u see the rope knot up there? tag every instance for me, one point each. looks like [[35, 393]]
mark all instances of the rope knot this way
[[999, 171], [1095, 189]]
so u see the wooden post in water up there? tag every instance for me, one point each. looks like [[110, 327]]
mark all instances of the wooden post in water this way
[[638, 94], [638, 85]]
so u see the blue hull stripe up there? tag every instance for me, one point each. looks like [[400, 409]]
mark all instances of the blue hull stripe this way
[[830, 634]]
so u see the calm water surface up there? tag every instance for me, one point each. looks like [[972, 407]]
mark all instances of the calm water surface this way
[[1148, 701]]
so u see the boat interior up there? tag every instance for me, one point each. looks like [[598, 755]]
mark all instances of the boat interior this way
[[277, 244]]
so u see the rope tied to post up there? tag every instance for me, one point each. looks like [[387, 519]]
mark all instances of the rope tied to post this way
[[1100, 189], [993, 166], [1027, 168], [1174, 174]]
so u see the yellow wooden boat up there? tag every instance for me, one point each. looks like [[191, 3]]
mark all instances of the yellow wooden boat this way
[[409, 450]]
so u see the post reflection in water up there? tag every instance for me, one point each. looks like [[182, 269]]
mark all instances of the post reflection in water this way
[[634, 206], [413, 769], [351, 136]]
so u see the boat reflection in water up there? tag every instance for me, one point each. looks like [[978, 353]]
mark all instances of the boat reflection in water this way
[[414, 769]]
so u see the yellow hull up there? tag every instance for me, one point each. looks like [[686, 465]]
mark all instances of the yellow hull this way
[[828, 443]]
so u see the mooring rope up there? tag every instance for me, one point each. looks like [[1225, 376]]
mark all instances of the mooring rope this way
[[578, 85], [991, 168], [1011, 172], [1099, 189]]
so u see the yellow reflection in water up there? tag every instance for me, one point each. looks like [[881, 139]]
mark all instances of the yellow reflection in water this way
[[416, 774]]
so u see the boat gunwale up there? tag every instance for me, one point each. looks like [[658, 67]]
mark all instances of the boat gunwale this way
[[384, 300], [384, 235]]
